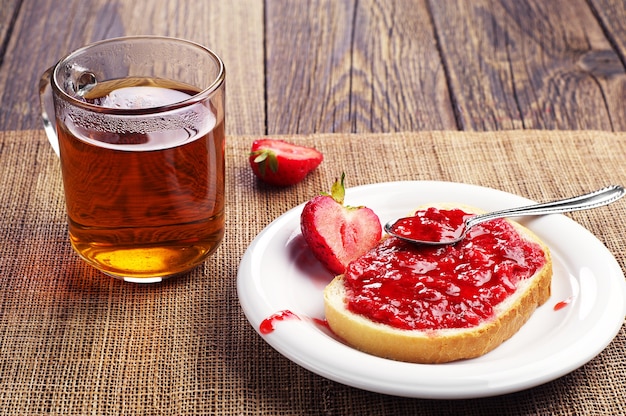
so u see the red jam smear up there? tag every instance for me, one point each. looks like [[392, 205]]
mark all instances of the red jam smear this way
[[267, 325], [432, 225], [562, 304], [409, 286]]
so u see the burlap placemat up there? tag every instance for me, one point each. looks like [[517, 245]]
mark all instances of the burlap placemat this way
[[73, 341]]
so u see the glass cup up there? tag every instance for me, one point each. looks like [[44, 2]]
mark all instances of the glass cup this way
[[138, 123]]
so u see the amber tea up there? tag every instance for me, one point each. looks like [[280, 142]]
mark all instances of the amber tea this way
[[144, 199]]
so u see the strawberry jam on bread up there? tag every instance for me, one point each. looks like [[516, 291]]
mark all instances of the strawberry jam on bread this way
[[435, 304]]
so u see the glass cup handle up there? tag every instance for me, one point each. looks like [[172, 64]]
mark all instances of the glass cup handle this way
[[47, 109]]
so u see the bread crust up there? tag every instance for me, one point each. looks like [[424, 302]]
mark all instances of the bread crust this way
[[441, 345]]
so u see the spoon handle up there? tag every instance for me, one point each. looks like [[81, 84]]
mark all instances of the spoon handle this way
[[594, 199]]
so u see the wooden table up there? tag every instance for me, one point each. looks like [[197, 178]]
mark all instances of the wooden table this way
[[356, 66], [333, 71]]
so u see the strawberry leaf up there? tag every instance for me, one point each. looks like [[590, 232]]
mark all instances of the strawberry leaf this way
[[265, 157], [273, 161], [338, 190]]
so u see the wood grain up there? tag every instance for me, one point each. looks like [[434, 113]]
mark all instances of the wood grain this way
[[353, 66], [356, 65], [47, 30], [531, 64], [611, 17], [8, 11]]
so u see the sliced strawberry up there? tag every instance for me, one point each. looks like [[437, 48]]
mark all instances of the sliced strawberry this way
[[280, 163], [338, 234]]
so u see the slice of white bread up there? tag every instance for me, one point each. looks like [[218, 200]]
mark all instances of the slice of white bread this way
[[441, 345]]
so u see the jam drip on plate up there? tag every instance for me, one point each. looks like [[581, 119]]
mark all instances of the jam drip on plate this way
[[267, 326], [410, 286]]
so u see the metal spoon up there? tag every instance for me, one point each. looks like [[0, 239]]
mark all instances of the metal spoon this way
[[594, 199]]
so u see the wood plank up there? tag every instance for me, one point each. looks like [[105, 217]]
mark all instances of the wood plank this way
[[610, 64], [612, 17], [531, 64], [46, 30], [353, 66], [8, 11]]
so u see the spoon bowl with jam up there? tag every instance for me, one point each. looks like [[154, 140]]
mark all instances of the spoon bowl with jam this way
[[439, 229]]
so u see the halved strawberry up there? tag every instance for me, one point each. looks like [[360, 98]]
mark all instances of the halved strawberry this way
[[338, 234], [280, 163]]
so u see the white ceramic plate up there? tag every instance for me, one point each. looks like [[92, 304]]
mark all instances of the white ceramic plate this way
[[278, 273]]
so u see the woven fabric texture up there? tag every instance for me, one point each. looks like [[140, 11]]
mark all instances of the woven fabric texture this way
[[73, 341]]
